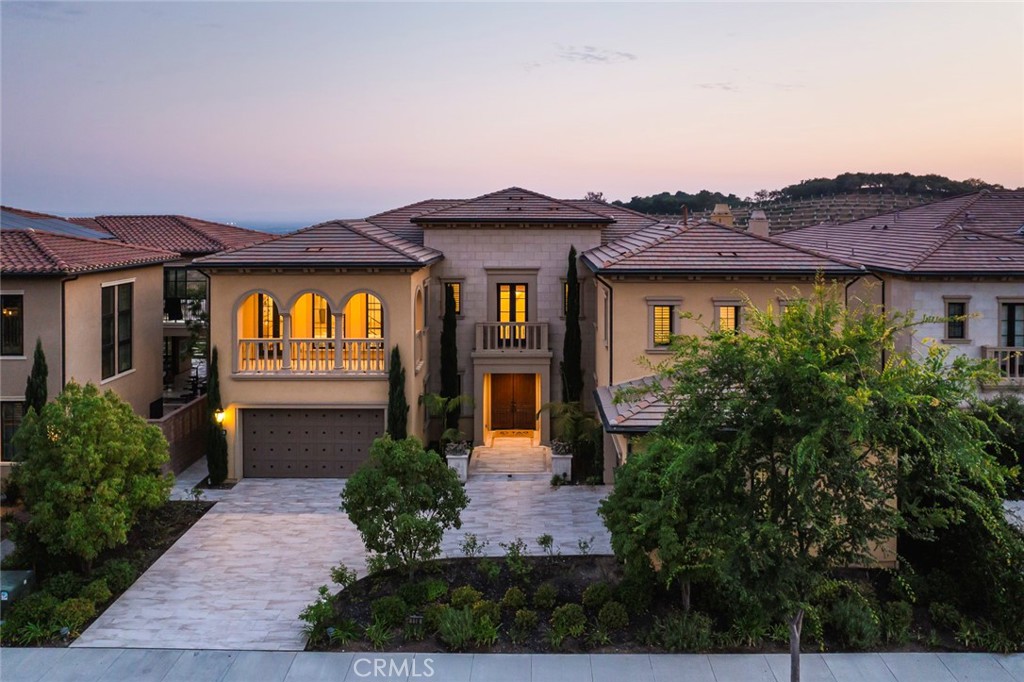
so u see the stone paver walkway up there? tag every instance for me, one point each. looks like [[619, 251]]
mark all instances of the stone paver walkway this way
[[239, 578], [147, 665]]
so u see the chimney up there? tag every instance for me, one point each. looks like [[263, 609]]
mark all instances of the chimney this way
[[722, 215], [758, 223]]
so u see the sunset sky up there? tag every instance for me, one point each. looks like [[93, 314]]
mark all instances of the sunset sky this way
[[298, 112]]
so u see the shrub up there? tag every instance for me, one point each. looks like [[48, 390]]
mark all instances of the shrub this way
[[595, 596], [896, 618], [523, 625], [84, 482], [343, 633], [37, 608], [487, 609], [119, 574], [636, 591], [945, 615], [317, 616], [436, 589], [854, 623], [514, 599], [379, 634], [389, 611], [1004, 415], [472, 546], [545, 596], [97, 592], [413, 593], [485, 630], [465, 596], [569, 619], [402, 501], [432, 616], [751, 627], [490, 570], [456, 628], [612, 617], [65, 585], [74, 613], [343, 575], [515, 559], [32, 633], [683, 632], [547, 543]]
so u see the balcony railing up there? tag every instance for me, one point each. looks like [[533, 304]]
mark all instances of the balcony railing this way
[[1009, 363], [312, 356], [512, 337]]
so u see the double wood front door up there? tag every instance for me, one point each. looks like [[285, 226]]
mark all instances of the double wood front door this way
[[513, 402]]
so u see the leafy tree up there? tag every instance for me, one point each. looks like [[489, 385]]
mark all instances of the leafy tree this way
[[595, 196], [449, 358], [801, 434], [35, 387], [402, 501], [572, 348], [91, 466], [398, 407], [216, 442]]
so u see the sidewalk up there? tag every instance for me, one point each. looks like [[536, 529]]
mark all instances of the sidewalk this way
[[171, 665]]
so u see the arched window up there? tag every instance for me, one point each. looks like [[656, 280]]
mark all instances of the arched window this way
[[259, 317], [311, 318], [364, 317]]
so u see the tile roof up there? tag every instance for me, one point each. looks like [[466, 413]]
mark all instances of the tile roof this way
[[707, 248], [977, 233], [337, 243], [627, 221], [183, 234], [20, 219], [513, 205], [643, 414], [35, 252], [399, 220]]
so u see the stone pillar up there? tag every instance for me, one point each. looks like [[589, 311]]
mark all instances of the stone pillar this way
[[286, 341]]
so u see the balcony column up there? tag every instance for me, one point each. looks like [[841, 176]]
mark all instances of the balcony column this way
[[286, 341], [339, 334]]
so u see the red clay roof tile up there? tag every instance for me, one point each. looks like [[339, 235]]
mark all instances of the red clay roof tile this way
[[33, 252]]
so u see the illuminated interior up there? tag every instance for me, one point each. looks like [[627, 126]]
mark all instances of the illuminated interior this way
[[259, 318], [364, 317], [311, 318]]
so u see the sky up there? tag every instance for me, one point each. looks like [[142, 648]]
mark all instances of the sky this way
[[255, 112]]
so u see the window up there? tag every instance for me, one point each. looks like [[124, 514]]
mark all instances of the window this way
[[11, 412], [512, 308], [456, 289], [13, 322], [956, 319], [663, 315], [364, 317], [1011, 324], [607, 322], [116, 329], [728, 318], [565, 297]]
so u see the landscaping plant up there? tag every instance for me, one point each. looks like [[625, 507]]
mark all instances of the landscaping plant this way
[[398, 406], [35, 386], [217, 442]]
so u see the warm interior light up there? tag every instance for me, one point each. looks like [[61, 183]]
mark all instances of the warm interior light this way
[[219, 416]]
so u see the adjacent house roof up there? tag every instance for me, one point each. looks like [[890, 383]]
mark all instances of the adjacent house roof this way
[[334, 244], [707, 248], [640, 415], [980, 233], [513, 205], [189, 236], [20, 219], [35, 252]]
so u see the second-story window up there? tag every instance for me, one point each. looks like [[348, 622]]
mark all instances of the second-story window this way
[[728, 318], [456, 289], [956, 320], [662, 332], [116, 329], [12, 324]]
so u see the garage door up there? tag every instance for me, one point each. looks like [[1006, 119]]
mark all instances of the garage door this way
[[297, 443]]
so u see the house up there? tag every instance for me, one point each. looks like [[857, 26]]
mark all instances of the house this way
[[95, 304], [960, 259], [185, 304]]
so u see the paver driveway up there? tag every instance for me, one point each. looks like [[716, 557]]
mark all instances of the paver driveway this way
[[240, 577]]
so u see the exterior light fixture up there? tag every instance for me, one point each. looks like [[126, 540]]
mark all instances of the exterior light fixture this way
[[218, 416]]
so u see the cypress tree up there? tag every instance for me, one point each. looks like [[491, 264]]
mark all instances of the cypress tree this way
[[35, 387], [572, 348], [398, 407], [449, 358], [217, 443]]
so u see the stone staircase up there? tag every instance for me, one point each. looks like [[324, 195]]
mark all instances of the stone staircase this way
[[513, 459]]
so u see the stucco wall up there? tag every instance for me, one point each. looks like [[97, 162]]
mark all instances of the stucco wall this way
[[41, 309]]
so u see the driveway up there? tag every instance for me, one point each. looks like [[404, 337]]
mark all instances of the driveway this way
[[239, 578]]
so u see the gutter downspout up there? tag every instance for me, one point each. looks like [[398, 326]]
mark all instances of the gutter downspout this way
[[611, 328]]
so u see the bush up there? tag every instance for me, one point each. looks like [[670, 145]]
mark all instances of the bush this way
[[569, 620], [523, 625], [896, 618], [402, 500], [595, 596], [854, 623], [74, 613], [945, 615], [545, 596], [343, 576], [514, 599], [436, 589], [432, 615], [465, 596], [636, 591], [37, 608], [97, 592], [84, 482], [485, 630], [64, 585], [379, 634], [612, 617], [490, 570], [487, 609], [683, 632], [119, 574], [515, 559], [1004, 415], [317, 616], [390, 611], [413, 593], [456, 628]]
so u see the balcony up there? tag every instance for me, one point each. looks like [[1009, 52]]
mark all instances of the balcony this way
[[1009, 364], [512, 338], [312, 357]]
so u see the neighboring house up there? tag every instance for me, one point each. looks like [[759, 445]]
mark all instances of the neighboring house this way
[[957, 258], [94, 303], [185, 302]]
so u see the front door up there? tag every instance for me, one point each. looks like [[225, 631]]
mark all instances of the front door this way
[[512, 312], [513, 402]]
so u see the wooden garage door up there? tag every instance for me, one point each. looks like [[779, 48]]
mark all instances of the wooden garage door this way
[[298, 443]]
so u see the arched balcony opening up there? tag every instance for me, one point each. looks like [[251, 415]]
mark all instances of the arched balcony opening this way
[[363, 345], [312, 342], [260, 334]]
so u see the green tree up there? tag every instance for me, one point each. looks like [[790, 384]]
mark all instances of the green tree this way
[[398, 406], [800, 432], [449, 358], [572, 347], [35, 387], [90, 466], [216, 442], [402, 501]]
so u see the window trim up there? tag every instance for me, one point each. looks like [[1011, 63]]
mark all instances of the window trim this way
[[21, 295], [720, 303], [563, 284], [654, 302], [117, 344], [966, 338]]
